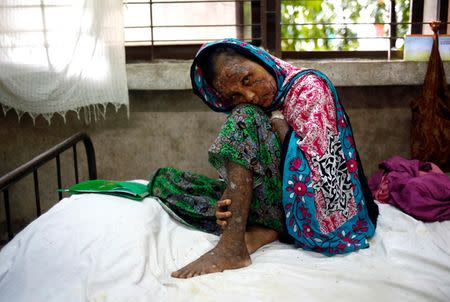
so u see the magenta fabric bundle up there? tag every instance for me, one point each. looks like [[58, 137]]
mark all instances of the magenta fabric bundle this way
[[419, 189]]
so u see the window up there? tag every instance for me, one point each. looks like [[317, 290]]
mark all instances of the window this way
[[152, 28], [165, 22], [288, 28], [344, 25]]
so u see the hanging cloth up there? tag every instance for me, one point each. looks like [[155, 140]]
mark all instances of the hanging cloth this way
[[430, 126], [63, 55]]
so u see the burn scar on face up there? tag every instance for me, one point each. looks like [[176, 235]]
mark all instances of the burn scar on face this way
[[228, 75], [240, 80]]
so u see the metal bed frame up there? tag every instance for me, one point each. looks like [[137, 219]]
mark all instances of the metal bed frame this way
[[6, 181]]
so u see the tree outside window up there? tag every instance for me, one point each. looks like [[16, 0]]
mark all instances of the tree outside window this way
[[342, 25]]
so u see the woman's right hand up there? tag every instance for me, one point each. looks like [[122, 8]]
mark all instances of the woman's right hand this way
[[279, 124], [222, 214]]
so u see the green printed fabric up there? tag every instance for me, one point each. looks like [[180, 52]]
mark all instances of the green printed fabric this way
[[127, 189], [247, 139]]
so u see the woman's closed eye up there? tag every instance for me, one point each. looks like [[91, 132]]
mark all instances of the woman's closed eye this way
[[246, 80]]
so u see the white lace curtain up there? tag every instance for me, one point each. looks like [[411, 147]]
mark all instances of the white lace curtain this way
[[61, 55]]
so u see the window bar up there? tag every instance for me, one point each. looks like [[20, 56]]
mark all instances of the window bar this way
[[273, 30], [351, 23], [392, 29], [36, 193], [8, 214], [341, 38], [199, 41], [75, 162], [443, 15], [240, 19], [256, 19], [196, 25], [416, 16], [152, 52], [263, 22], [58, 173], [193, 1], [277, 27]]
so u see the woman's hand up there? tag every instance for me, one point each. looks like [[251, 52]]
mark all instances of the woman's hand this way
[[222, 213], [279, 124]]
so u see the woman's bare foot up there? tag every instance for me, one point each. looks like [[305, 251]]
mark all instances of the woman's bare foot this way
[[231, 251], [258, 236], [216, 260]]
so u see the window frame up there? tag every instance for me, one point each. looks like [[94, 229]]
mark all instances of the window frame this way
[[266, 28]]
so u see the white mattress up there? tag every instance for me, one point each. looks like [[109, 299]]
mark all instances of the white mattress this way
[[102, 248]]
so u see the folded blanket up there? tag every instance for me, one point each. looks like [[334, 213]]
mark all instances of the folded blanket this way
[[418, 188]]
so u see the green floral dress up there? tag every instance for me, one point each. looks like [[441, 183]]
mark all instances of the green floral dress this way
[[247, 139]]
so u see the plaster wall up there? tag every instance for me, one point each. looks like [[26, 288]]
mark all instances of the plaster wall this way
[[173, 128]]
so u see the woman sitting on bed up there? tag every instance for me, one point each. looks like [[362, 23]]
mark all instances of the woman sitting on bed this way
[[287, 160]]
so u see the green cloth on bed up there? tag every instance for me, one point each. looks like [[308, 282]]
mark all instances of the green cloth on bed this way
[[127, 189]]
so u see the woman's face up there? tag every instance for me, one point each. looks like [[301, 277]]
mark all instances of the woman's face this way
[[239, 80]]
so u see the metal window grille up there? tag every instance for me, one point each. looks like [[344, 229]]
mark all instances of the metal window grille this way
[[177, 28], [161, 24]]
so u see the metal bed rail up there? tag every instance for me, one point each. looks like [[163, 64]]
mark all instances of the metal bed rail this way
[[9, 179]]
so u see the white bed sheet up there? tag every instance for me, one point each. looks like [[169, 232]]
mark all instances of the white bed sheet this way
[[94, 247]]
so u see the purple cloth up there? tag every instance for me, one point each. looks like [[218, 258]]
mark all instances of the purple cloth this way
[[425, 196]]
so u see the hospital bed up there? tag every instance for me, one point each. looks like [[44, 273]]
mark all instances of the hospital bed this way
[[95, 247]]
